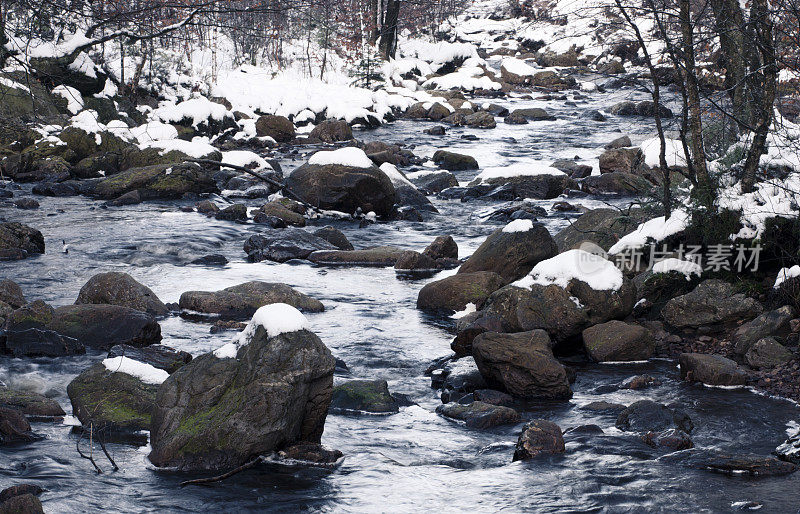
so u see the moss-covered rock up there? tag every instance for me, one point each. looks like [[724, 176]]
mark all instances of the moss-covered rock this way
[[18, 241], [103, 326], [112, 399], [160, 181], [364, 395], [455, 292], [30, 404]]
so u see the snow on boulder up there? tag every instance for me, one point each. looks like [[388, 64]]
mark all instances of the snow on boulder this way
[[520, 225], [144, 372], [72, 96], [526, 179], [655, 230], [785, 274], [686, 268], [600, 274], [443, 57], [516, 71], [194, 112], [674, 152], [466, 78], [348, 156], [197, 148], [245, 158], [275, 319], [154, 131], [517, 169]]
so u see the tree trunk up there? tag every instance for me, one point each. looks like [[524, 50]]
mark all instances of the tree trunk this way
[[388, 43], [729, 21]]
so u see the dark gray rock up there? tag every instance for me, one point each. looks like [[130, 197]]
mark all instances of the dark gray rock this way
[[364, 395], [616, 341], [711, 369], [539, 437], [117, 288], [713, 302], [156, 355], [243, 300], [479, 415], [283, 245]]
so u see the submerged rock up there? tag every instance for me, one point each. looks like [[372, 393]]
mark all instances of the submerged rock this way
[[539, 437], [711, 369], [649, 416], [479, 414], [118, 288], [217, 413], [730, 464], [243, 300], [364, 395], [522, 364]]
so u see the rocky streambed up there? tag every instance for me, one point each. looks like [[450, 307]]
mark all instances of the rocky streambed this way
[[416, 453]]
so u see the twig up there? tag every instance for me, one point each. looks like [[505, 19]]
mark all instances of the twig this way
[[253, 463], [281, 187], [108, 456], [87, 457]]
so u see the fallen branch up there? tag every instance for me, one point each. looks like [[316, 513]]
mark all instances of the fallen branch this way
[[253, 463], [281, 187]]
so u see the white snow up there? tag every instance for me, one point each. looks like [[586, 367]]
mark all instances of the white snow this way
[[673, 152], [275, 318], [468, 309], [599, 273], [656, 230], [197, 148], [785, 274], [245, 158], [154, 131], [397, 178], [72, 96], [518, 226], [13, 85], [143, 371], [688, 268], [517, 67], [199, 110], [348, 156], [518, 169]]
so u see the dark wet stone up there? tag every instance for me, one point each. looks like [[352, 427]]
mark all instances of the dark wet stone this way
[[14, 428], [479, 414], [242, 300], [711, 369], [616, 341], [335, 237], [311, 453], [364, 395], [649, 416], [156, 355], [214, 259], [283, 245], [539, 437], [30, 404], [730, 463]]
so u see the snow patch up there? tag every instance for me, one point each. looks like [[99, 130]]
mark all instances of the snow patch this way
[[687, 268], [275, 318], [143, 371], [348, 156], [518, 169], [785, 274], [656, 229], [521, 225], [599, 273]]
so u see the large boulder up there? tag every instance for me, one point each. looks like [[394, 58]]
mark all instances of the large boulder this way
[[283, 245], [117, 288], [18, 241], [713, 302], [522, 364], [111, 398], [243, 300], [443, 247], [617, 183], [27, 333], [332, 131], [25, 503], [542, 186], [772, 323], [277, 210], [452, 161], [278, 128], [270, 389], [364, 396], [767, 353], [31, 404], [103, 326], [603, 227], [158, 181], [479, 414], [532, 113], [624, 160], [539, 437], [453, 293], [512, 251], [431, 182], [343, 188], [711, 369], [74, 69], [616, 341]]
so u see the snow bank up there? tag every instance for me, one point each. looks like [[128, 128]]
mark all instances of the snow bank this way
[[348, 156], [197, 148], [600, 274], [154, 131], [518, 226], [144, 372], [72, 96], [199, 110], [276, 319], [785, 274], [655, 230], [518, 169], [674, 152], [437, 54], [688, 268], [517, 67]]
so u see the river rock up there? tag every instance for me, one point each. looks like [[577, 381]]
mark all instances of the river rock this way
[[103, 326], [539, 437], [713, 302], [415, 261], [343, 188], [11, 294], [24, 503], [430, 182], [452, 161], [335, 237], [332, 131], [364, 395], [624, 108], [117, 288], [543, 186], [453, 293], [277, 210], [14, 428], [532, 113], [443, 247], [159, 181], [648, 108], [623, 160], [112, 399], [711, 369], [617, 182], [19, 490], [602, 227], [283, 245], [522, 364], [18, 241], [27, 333], [620, 142], [767, 353], [512, 255], [573, 169], [243, 300], [479, 415], [278, 128], [772, 323], [616, 341], [29, 403], [376, 256], [310, 453], [218, 413], [649, 416], [671, 439], [156, 355], [458, 378], [235, 212], [480, 119], [731, 464], [790, 449]]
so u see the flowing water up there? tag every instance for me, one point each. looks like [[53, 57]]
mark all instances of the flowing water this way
[[411, 461]]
